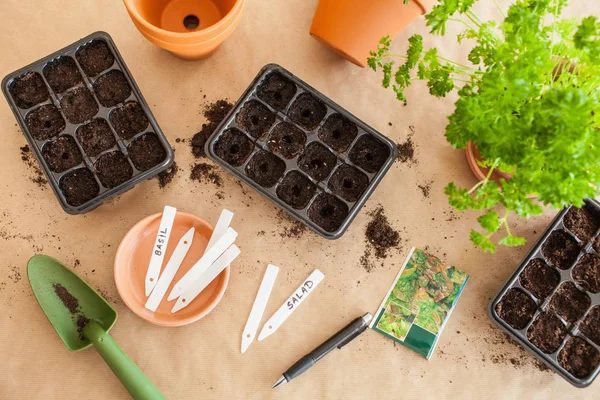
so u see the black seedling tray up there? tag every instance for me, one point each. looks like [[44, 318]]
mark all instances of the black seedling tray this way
[[276, 120], [70, 55], [542, 305]]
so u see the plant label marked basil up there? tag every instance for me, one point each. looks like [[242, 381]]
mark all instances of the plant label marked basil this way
[[160, 247], [170, 270], [291, 304], [258, 308]]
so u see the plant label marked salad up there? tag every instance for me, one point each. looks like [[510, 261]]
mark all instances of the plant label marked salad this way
[[420, 302]]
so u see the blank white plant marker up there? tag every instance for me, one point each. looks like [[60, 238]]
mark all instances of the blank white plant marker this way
[[204, 262], [192, 291], [160, 248], [258, 308], [220, 228], [170, 270]]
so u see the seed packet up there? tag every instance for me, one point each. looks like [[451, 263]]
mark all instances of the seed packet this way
[[420, 301]]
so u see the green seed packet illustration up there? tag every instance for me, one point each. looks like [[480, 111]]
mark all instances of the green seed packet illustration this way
[[420, 301]]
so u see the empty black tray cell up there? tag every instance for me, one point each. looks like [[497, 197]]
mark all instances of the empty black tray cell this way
[[95, 57], [113, 169], [328, 212], [276, 90], [112, 88], [561, 249], [547, 332], [233, 147], [265, 168], [348, 182], [590, 326], [587, 273], [29, 90], [369, 153], [128, 120], [296, 190], [338, 132], [569, 302], [579, 357], [79, 105], [96, 137], [62, 74], [79, 187], [286, 140], [317, 161], [45, 122], [516, 308], [581, 222], [146, 151], [255, 118], [539, 278], [62, 154], [307, 111]]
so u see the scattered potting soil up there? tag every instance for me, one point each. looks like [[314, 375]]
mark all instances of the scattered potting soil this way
[[286, 140], [369, 153], [203, 172], [294, 230], [296, 190], [79, 105], [307, 111], [581, 222], [113, 169], [96, 137], [214, 114], [29, 90], [406, 150], [348, 182], [539, 278], [560, 249], [112, 88], [45, 122], [587, 273], [328, 212], [62, 154], [569, 302], [255, 119], [233, 147], [62, 74], [579, 357], [165, 177], [265, 168], [30, 160], [276, 90], [95, 57], [129, 119], [380, 235], [547, 332], [425, 189], [146, 151], [317, 161], [516, 308], [590, 326], [70, 301], [338, 132], [79, 187]]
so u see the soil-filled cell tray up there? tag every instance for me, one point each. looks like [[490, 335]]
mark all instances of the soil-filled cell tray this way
[[551, 303], [87, 123], [301, 150]]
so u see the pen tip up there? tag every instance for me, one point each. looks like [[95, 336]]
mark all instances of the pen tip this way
[[280, 382]]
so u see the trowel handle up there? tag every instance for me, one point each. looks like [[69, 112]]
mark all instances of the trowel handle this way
[[131, 376]]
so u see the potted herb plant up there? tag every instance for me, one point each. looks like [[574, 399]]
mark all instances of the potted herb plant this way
[[528, 99]]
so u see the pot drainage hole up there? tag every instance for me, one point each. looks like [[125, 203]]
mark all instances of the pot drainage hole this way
[[191, 22]]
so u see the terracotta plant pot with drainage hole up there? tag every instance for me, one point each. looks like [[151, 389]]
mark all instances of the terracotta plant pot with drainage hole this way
[[190, 29], [352, 28]]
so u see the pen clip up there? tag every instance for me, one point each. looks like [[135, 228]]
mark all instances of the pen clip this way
[[352, 337]]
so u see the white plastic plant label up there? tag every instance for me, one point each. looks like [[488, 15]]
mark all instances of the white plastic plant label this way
[[160, 248]]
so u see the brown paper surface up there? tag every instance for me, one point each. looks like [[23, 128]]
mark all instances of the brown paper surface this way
[[202, 360]]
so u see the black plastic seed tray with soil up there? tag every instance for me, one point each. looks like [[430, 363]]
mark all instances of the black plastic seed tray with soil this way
[[551, 304], [87, 123], [302, 151]]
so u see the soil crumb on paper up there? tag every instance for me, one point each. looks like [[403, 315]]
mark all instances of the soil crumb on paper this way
[[406, 149], [214, 114], [205, 173], [295, 228], [29, 159], [380, 238], [166, 176], [426, 189]]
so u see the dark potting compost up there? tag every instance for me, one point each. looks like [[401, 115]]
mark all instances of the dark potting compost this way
[[554, 311], [72, 304], [301, 150], [92, 133], [165, 177], [214, 113]]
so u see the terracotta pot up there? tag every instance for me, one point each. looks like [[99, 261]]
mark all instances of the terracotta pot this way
[[190, 29], [473, 157], [352, 28]]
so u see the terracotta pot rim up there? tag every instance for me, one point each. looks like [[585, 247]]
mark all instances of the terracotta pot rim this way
[[215, 38], [223, 22], [424, 5]]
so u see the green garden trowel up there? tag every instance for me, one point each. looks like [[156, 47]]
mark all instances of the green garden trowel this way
[[81, 317]]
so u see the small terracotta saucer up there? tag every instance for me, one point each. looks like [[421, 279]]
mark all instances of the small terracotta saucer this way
[[131, 264]]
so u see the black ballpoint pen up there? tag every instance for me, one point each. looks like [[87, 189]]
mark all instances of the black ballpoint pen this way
[[339, 340]]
